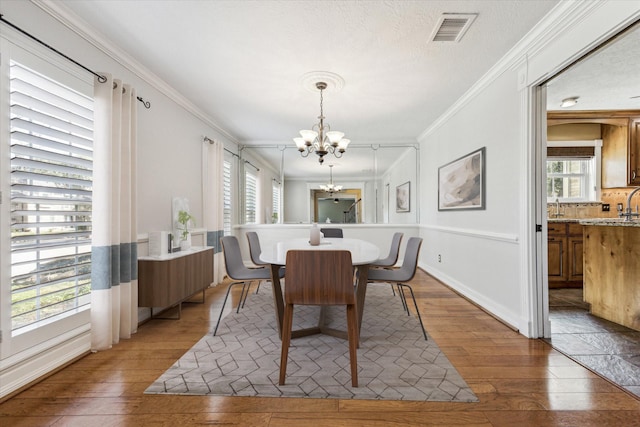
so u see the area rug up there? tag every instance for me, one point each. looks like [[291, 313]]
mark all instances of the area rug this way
[[395, 362]]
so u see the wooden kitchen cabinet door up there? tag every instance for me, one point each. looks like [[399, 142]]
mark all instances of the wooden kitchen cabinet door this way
[[557, 260]]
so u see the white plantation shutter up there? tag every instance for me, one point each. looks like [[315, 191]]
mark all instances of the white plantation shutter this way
[[250, 197], [51, 197], [275, 200], [227, 198]]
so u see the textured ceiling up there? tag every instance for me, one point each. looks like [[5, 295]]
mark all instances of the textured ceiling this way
[[607, 79], [242, 63]]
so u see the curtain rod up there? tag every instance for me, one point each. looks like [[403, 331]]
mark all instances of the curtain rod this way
[[101, 79], [211, 141], [251, 164]]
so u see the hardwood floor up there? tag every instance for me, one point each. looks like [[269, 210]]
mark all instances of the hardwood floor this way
[[519, 382]]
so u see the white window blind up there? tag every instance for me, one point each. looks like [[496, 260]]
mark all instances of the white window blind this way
[[250, 197], [227, 198], [275, 207], [51, 171]]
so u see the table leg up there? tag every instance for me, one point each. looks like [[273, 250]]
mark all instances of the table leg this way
[[361, 292], [278, 300]]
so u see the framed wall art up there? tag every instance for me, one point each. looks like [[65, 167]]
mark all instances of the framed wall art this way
[[461, 183], [403, 193]]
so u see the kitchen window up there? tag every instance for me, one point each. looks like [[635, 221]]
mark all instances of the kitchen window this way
[[571, 179]]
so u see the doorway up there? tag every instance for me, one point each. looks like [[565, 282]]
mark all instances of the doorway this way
[[605, 347], [341, 207]]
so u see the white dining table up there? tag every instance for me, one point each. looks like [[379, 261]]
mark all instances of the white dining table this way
[[362, 252]]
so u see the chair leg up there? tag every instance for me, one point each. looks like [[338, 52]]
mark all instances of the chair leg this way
[[287, 324], [352, 332], [403, 299], [224, 302], [244, 295], [424, 332]]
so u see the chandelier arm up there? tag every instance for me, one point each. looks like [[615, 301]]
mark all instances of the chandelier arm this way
[[322, 144]]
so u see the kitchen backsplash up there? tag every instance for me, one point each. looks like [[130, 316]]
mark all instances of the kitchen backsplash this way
[[611, 196]]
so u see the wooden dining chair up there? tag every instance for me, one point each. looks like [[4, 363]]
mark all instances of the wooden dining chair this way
[[401, 276], [320, 278], [332, 232]]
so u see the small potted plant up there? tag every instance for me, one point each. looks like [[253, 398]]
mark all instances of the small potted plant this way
[[184, 218]]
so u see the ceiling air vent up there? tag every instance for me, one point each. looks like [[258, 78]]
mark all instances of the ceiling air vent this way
[[452, 26]]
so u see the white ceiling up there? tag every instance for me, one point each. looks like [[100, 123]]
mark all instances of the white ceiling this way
[[242, 62], [607, 79]]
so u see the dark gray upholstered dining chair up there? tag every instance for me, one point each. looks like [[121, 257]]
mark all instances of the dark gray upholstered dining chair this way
[[254, 251], [238, 272], [310, 282], [394, 252], [392, 258], [332, 232], [400, 276]]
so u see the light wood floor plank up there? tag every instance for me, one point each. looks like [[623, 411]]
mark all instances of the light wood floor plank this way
[[519, 382]]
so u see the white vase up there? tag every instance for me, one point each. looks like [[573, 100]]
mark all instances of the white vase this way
[[186, 243], [314, 235]]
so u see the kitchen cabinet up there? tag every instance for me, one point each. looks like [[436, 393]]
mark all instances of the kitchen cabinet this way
[[565, 254], [634, 151], [612, 271], [621, 142]]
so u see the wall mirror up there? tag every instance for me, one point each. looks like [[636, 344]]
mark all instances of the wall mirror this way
[[368, 174]]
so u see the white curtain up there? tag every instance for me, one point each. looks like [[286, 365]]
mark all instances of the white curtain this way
[[114, 252], [213, 201]]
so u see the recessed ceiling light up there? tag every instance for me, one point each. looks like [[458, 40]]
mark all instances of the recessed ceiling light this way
[[569, 102]]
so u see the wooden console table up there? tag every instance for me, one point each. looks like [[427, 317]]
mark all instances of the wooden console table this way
[[169, 280]]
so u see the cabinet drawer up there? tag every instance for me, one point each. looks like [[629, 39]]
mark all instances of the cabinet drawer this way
[[556, 228], [575, 229]]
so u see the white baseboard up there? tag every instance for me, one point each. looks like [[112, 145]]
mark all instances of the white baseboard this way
[[486, 304], [21, 369]]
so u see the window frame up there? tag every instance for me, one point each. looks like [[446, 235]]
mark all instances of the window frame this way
[[593, 195], [76, 324]]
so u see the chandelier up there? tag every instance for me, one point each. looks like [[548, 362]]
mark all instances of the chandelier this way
[[330, 187], [321, 139]]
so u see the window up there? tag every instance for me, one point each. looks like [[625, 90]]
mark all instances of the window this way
[[275, 207], [226, 214], [571, 179], [250, 198], [51, 169]]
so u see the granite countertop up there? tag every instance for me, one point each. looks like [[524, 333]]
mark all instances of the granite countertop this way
[[562, 219], [615, 222]]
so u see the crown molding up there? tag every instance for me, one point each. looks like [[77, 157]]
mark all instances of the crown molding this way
[[70, 20], [565, 14]]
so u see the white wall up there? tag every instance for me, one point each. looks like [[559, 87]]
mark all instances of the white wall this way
[[402, 171], [490, 255]]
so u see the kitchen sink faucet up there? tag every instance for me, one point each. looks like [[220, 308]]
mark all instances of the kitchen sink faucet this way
[[628, 214]]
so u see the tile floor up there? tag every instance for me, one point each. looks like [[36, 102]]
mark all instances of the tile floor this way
[[606, 348]]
